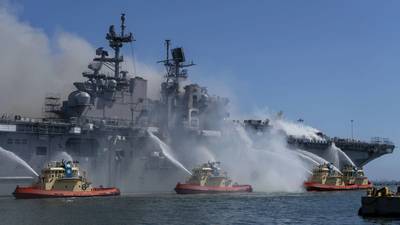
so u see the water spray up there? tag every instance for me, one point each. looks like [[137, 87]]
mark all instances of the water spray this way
[[17, 159], [167, 152], [333, 146], [319, 159]]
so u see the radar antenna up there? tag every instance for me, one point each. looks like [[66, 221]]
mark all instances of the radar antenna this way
[[174, 66], [116, 41]]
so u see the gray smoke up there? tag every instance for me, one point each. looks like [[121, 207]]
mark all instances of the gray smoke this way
[[30, 68], [34, 65], [263, 160]]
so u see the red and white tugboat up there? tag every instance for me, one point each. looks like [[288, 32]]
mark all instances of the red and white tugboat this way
[[208, 178], [60, 180], [324, 178]]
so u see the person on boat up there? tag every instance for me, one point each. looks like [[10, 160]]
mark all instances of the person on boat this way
[[330, 167]]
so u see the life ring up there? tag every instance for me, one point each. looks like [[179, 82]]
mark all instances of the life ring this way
[[84, 186]]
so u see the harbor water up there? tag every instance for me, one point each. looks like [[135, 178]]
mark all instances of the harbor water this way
[[170, 208]]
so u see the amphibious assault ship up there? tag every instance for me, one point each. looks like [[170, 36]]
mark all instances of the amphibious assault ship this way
[[360, 152], [105, 122], [114, 129]]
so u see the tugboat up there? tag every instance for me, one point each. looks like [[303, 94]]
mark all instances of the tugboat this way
[[60, 180], [325, 178], [209, 178]]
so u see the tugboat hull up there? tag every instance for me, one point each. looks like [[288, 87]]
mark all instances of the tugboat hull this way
[[33, 192], [197, 189], [312, 186]]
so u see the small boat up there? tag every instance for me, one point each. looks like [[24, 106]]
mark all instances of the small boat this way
[[325, 178], [380, 203], [209, 178], [61, 180]]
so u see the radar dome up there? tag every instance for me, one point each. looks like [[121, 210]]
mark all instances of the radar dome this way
[[79, 98]]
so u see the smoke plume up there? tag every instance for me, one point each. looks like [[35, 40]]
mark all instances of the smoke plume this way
[[34, 64]]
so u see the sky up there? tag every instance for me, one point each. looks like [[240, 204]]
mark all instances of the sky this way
[[327, 62]]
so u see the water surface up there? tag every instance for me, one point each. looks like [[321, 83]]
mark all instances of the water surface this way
[[169, 208]]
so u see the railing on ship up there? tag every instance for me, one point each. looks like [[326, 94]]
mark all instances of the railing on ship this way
[[108, 122], [55, 126], [35, 125], [374, 140], [380, 140], [337, 140]]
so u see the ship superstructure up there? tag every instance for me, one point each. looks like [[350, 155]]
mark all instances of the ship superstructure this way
[[105, 122], [188, 107]]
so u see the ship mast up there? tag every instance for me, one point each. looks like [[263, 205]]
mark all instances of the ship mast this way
[[116, 41], [175, 66], [170, 88]]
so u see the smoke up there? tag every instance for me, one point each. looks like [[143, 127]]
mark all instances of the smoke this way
[[281, 124], [264, 161], [34, 64], [153, 76], [30, 67], [298, 130]]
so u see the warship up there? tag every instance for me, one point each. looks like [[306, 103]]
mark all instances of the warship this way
[[114, 129], [60, 180], [209, 178], [105, 122], [326, 178], [360, 152]]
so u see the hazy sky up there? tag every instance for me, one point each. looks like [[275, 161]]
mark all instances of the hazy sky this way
[[326, 62]]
